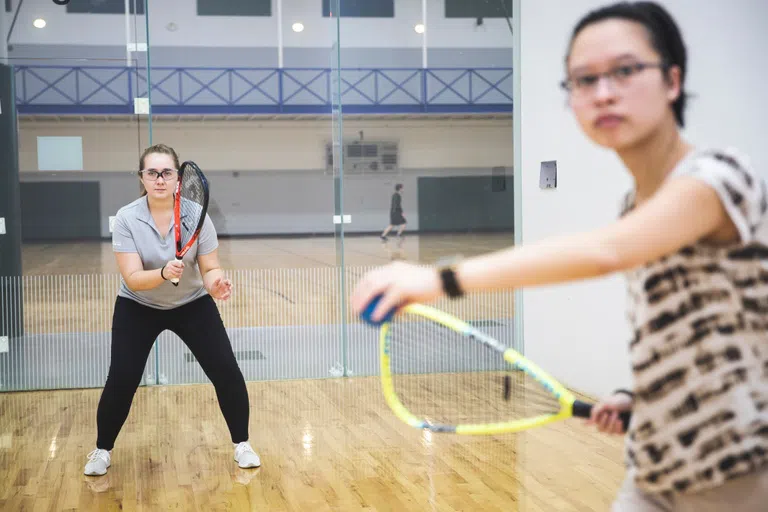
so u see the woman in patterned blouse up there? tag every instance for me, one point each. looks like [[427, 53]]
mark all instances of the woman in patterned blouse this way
[[690, 243]]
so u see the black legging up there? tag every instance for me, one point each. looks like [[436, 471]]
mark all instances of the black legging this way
[[135, 328]]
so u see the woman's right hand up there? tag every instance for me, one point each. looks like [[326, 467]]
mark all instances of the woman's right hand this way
[[605, 414], [173, 269]]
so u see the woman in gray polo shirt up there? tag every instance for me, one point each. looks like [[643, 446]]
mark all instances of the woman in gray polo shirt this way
[[147, 304]]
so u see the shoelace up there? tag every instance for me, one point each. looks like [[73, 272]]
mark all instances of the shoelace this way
[[95, 455], [242, 448]]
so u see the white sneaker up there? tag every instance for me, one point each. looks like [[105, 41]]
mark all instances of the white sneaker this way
[[245, 456], [98, 462]]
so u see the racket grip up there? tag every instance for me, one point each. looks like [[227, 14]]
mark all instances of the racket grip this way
[[175, 280], [584, 410]]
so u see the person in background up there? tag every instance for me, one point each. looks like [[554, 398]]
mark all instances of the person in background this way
[[396, 218]]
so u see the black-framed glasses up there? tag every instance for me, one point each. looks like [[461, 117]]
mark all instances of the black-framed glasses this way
[[585, 83], [153, 174]]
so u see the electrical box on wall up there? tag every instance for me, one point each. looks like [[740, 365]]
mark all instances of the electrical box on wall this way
[[548, 174]]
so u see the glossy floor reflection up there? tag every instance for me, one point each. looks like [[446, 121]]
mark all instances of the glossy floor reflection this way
[[324, 444]]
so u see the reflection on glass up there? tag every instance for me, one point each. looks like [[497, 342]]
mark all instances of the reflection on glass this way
[[77, 71]]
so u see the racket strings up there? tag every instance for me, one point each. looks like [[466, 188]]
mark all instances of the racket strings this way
[[444, 377], [192, 197]]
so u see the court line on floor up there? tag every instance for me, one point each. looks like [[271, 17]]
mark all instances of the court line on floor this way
[[281, 295]]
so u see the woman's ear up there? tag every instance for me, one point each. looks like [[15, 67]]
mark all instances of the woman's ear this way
[[673, 83]]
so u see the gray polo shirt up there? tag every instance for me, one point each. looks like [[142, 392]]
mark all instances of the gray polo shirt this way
[[135, 231]]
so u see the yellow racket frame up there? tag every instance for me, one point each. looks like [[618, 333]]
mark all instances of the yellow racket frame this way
[[514, 358]]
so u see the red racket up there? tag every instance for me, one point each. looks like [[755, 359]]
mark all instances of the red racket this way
[[189, 208]]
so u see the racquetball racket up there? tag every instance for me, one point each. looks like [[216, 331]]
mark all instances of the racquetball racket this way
[[190, 204], [440, 373]]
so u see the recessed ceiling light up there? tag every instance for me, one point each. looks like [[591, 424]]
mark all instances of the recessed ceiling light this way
[[298, 27], [39, 23], [419, 28]]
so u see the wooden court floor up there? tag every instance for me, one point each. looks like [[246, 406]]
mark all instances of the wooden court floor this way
[[96, 257], [325, 445]]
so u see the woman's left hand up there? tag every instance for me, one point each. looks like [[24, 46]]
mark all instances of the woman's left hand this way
[[221, 289]]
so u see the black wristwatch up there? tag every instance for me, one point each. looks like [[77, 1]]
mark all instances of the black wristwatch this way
[[447, 271], [450, 283]]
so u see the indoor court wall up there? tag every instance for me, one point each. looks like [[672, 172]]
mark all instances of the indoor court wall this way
[[579, 331]]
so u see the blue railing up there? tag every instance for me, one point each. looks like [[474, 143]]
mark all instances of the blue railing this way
[[111, 90]]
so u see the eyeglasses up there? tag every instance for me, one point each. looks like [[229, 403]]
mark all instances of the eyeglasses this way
[[153, 174], [619, 75]]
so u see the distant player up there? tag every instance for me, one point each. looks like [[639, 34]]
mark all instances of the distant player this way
[[396, 218]]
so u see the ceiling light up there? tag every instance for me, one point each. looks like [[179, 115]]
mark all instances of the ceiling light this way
[[298, 27], [39, 23], [419, 28]]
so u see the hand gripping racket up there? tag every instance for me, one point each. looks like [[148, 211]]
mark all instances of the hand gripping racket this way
[[190, 204], [440, 373]]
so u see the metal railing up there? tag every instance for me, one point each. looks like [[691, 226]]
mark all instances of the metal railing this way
[[112, 90]]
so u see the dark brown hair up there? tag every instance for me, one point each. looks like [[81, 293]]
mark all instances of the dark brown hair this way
[[157, 148]]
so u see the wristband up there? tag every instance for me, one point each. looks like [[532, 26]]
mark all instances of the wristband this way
[[161, 273]]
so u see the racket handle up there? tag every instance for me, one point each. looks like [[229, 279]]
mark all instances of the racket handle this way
[[365, 315], [584, 410], [175, 280]]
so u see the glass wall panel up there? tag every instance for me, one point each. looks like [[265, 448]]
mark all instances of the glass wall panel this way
[[423, 131], [76, 79]]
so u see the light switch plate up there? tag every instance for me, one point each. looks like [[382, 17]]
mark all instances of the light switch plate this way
[[548, 174], [2, 225]]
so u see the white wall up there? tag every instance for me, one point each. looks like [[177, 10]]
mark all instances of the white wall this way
[[63, 28], [276, 145], [579, 332], [283, 187], [241, 31]]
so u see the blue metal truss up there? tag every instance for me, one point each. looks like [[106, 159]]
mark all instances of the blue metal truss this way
[[82, 90]]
